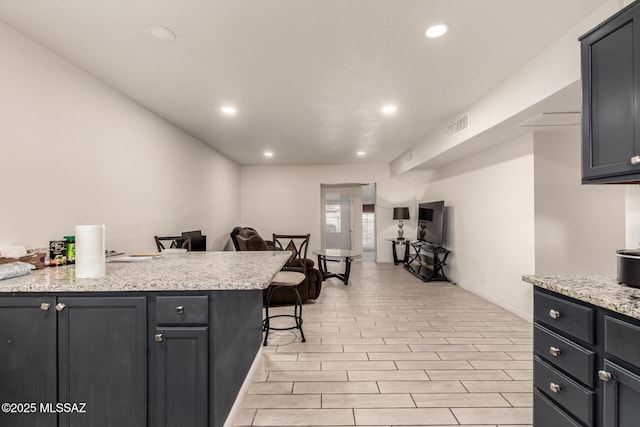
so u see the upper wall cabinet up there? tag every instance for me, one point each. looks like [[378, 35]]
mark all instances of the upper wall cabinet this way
[[610, 56]]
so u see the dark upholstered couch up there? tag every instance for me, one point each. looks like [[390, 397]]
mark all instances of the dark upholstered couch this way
[[248, 239]]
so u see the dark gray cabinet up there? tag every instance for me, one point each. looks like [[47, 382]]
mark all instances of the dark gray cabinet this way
[[85, 351], [133, 359], [181, 375], [586, 364], [180, 353], [101, 341], [610, 57], [621, 396], [28, 358]]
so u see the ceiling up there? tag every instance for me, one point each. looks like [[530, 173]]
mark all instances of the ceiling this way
[[308, 77]]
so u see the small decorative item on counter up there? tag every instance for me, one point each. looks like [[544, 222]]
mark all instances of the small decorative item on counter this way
[[15, 269], [71, 249], [57, 253]]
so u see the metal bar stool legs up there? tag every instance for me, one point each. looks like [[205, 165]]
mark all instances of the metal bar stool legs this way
[[288, 280]]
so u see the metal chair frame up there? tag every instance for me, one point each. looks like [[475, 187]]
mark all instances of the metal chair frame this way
[[180, 242]]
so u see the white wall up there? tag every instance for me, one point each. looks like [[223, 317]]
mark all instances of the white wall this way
[[74, 151], [632, 216], [286, 199], [578, 227], [489, 221]]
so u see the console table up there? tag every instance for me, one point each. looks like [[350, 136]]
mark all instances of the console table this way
[[426, 261], [394, 242]]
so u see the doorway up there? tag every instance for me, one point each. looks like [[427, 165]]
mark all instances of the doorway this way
[[348, 218]]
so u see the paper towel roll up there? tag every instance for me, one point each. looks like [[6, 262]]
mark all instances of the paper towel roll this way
[[90, 257]]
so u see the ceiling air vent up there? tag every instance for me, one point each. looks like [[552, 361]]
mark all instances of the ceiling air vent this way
[[458, 126]]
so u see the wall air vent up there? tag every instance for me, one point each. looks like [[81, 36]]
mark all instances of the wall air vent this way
[[458, 126]]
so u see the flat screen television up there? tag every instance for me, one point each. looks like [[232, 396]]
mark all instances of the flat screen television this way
[[431, 222]]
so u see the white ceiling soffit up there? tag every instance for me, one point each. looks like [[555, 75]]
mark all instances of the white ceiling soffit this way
[[307, 78]]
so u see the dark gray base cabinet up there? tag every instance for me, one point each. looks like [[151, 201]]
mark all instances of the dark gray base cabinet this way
[[58, 350], [132, 360], [28, 358], [586, 364], [181, 375]]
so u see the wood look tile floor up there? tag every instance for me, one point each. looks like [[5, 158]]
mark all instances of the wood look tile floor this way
[[389, 350]]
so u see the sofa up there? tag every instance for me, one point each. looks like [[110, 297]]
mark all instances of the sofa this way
[[248, 239]]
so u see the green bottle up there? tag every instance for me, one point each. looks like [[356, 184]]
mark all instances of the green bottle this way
[[71, 249]]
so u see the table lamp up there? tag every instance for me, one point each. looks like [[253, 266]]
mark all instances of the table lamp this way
[[400, 214]]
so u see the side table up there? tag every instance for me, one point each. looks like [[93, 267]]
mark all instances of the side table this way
[[395, 242]]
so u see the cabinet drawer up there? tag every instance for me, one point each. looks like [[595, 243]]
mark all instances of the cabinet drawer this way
[[622, 340], [182, 310], [564, 354], [574, 319], [575, 398], [545, 413]]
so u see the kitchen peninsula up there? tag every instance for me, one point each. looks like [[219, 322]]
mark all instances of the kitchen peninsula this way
[[586, 351], [163, 342]]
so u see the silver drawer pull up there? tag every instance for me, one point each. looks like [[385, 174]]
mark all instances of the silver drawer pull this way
[[45, 306], [180, 309], [554, 351], [635, 160], [60, 306], [159, 338], [604, 376], [554, 314], [554, 387]]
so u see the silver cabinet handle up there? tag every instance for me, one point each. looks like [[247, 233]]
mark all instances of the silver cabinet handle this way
[[554, 387], [635, 160], [554, 314], [180, 309], [60, 306], [554, 351], [159, 338], [604, 376], [45, 306]]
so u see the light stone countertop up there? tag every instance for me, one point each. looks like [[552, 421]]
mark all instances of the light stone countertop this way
[[193, 271], [601, 291]]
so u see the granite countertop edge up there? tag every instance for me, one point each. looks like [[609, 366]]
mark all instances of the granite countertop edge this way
[[192, 272], [601, 291]]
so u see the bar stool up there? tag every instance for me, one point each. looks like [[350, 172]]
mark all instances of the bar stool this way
[[289, 280]]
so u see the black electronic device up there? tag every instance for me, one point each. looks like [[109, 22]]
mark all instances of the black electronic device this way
[[431, 222]]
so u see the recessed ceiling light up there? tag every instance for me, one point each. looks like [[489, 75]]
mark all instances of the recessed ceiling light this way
[[268, 153], [229, 110], [161, 34], [436, 30], [389, 109], [360, 153]]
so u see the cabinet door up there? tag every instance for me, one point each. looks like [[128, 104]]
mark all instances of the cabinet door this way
[[181, 398], [610, 68], [28, 358], [621, 397], [102, 360]]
